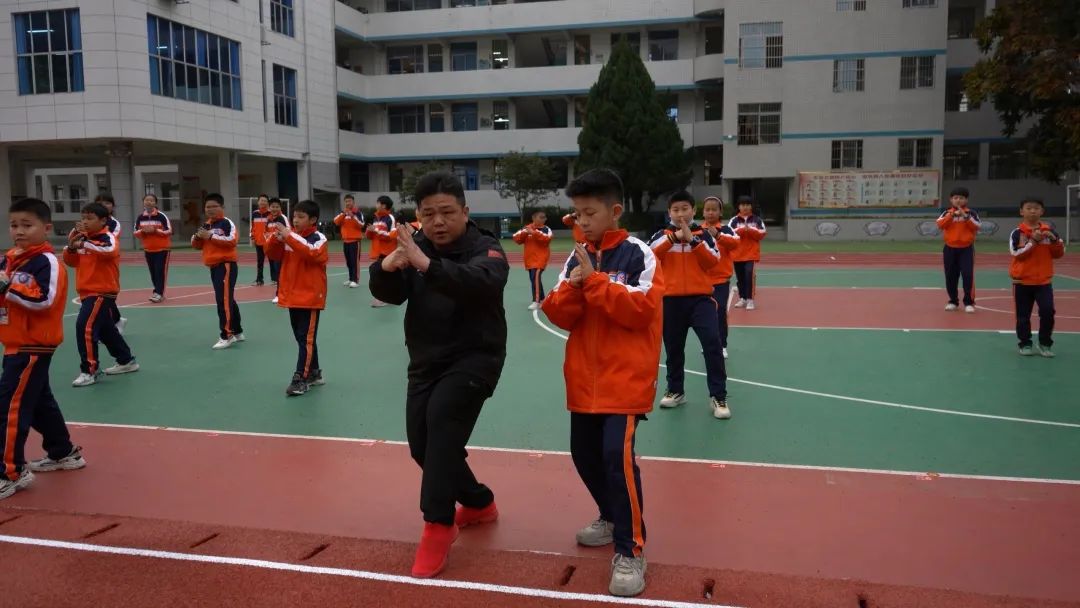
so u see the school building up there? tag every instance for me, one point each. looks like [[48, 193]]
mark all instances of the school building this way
[[799, 104]]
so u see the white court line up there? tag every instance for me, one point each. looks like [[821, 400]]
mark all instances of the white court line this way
[[905, 330], [905, 406], [672, 459], [262, 564], [1013, 312]]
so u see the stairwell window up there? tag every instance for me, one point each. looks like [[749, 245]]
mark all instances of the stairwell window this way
[[850, 5], [848, 75], [285, 106], [48, 52], [917, 72], [759, 123], [847, 153], [761, 45], [664, 45], [915, 153], [281, 17]]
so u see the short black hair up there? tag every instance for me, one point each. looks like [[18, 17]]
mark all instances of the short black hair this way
[[350, 197], [1032, 199], [96, 209], [36, 206], [105, 198], [264, 196], [439, 182], [682, 196], [603, 184], [744, 200], [386, 201], [309, 208], [960, 191], [274, 199], [537, 211], [214, 196], [151, 195]]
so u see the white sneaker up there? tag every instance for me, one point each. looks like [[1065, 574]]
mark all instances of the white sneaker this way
[[741, 303], [84, 380], [274, 300], [596, 534], [627, 575], [8, 487], [1046, 351], [347, 283], [534, 306], [377, 303], [951, 307], [224, 343], [127, 368], [750, 305], [121, 324], [672, 400], [969, 309], [719, 408], [353, 284], [239, 337], [725, 352], [156, 298], [71, 462]]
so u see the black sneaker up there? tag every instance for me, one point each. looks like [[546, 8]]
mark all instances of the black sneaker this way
[[297, 386], [315, 378]]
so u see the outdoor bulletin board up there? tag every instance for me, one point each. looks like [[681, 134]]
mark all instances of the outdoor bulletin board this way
[[855, 189]]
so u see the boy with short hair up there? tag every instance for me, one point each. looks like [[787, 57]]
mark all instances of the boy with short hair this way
[[94, 253], [536, 237], [1034, 246], [33, 295], [750, 230], [275, 221], [351, 224], [687, 254], [726, 241], [257, 234], [959, 226], [217, 238], [383, 234], [154, 229], [303, 253], [609, 298]]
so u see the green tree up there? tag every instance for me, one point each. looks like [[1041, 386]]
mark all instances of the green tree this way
[[526, 178], [1031, 73], [627, 129], [413, 175]]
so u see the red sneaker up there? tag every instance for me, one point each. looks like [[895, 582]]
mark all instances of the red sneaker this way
[[434, 549], [467, 516]]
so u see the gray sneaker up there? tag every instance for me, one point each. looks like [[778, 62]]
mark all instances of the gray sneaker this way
[[71, 462], [596, 534], [627, 575], [1046, 351], [8, 487]]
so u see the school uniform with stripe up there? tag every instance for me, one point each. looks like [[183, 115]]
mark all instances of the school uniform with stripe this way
[[219, 255], [31, 327], [156, 246], [258, 239], [97, 281], [272, 218], [726, 242], [351, 225], [302, 290], [537, 255], [751, 230], [614, 320], [383, 234]]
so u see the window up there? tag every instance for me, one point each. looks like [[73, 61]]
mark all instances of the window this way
[[463, 116], [956, 99], [405, 59], [664, 46], [48, 52], [190, 64], [847, 154], [462, 3], [500, 54], [406, 119], [580, 105], [848, 75], [281, 16], [434, 57], [714, 105], [500, 115], [437, 115], [960, 162], [850, 5], [714, 40], [670, 103], [761, 45], [915, 153], [582, 49], [462, 56], [962, 22], [394, 6], [285, 96], [920, 3], [759, 123], [916, 72], [1008, 160], [468, 172], [633, 38]]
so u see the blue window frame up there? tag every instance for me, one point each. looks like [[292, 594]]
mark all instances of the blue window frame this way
[[193, 65], [281, 17], [285, 106], [463, 116], [48, 52], [462, 56]]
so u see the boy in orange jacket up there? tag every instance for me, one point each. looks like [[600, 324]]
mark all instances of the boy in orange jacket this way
[[33, 294], [351, 224], [257, 234], [303, 253], [536, 237], [750, 230], [1034, 246], [94, 253], [609, 298], [154, 229], [688, 254], [726, 242], [570, 221], [217, 238], [383, 234], [959, 225]]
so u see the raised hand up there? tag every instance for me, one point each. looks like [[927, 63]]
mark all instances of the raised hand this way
[[416, 257], [577, 277], [584, 261]]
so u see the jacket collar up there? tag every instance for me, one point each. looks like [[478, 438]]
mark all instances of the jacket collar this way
[[464, 243], [14, 261], [1027, 230], [611, 240]]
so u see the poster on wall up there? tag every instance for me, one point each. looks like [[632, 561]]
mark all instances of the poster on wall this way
[[868, 189]]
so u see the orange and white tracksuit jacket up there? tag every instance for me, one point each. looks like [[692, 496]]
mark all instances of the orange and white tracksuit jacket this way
[[97, 265], [302, 280], [726, 242], [537, 245], [221, 246], [32, 310], [1033, 262], [351, 224], [750, 230], [383, 234], [959, 232]]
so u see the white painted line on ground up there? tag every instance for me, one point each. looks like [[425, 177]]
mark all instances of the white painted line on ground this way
[[1013, 312], [262, 564], [916, 329], [904, 406]]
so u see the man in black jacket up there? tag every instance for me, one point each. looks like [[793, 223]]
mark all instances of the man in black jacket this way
[[452, 277]]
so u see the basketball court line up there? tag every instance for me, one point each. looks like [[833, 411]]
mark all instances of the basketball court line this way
[[899, 329], [919, 408], [262, 564], [1013, 312], [532, 452]]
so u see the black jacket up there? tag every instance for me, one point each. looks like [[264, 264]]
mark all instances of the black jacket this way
[[455, 320]]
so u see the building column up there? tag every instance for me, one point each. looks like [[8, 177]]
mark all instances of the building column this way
[[303, 179], [5, 195], [120, 173], [228, 184]]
